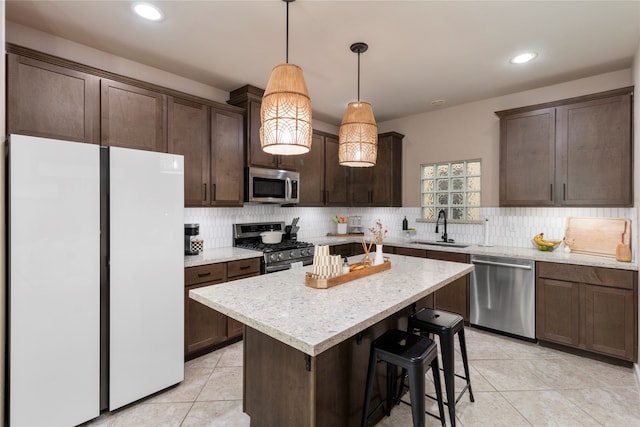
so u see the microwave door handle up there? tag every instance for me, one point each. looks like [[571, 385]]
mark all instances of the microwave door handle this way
[[289, 189]]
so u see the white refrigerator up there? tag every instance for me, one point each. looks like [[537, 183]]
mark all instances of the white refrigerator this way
[[96, 278]]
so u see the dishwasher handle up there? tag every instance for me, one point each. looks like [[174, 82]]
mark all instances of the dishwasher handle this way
[[501, 264]]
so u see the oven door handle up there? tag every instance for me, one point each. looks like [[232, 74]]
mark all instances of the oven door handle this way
[[502, 264]]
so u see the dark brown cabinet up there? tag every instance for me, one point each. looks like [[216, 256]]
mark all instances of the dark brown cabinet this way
[[227, 158], [575, 152], [380, 185], [188, 127], [132, 117], [203, 327], [454, 297], [250, 98], [344, 250], [51, 101], [323, 182], [211, 142], [589, 308]]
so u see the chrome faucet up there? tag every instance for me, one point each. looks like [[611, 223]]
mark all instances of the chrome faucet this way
[[443, 214]]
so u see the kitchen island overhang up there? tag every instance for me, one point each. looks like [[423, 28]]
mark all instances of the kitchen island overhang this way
[[306, 350]]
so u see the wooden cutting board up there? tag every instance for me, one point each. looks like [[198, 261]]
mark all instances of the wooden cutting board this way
[[597, 236]]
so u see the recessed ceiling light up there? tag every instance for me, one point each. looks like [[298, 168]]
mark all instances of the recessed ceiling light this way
[[523, 57], [438, 102], [148, 11]]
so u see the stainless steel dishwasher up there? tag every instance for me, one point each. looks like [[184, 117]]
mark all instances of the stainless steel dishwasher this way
[[503, 295]]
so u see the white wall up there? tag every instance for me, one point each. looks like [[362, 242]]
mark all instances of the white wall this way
[[471, 131]]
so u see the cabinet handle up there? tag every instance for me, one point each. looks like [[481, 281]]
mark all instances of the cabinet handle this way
[[326, 197], [564, 191], [244, 267], [213, 197], [550, 191], [205, 191], [204, 274]]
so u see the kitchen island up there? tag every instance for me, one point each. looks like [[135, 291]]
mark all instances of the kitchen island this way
[[305, 349]]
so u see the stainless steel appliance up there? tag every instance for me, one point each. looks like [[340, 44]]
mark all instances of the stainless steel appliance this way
[[278, 256], [503, 295], [271, 186], [83, 332], [190, 230]]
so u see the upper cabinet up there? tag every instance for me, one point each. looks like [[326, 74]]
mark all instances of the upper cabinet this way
[[132, 117], [380, 185], [250, 98], [227, 158], [51, 101], [575, 152], [188, 126], [323, 182]]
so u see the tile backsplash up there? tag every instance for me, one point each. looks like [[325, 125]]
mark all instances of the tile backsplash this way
[[507, 226]]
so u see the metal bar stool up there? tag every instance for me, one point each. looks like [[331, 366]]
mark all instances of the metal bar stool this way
[[413, 354], [446, 325]]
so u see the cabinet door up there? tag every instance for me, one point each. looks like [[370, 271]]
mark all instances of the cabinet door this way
[[527, 158], [594, 152], [188, 126], [132, 117], [610, 321], [342, 250], [381, 175], [289, 162], [227, 173], [252, 267], [204, 327], [311, 167], [414, 252], [50, 101], [454, 297], [336, 178], [558, 311], [360, 186], [256, 157]]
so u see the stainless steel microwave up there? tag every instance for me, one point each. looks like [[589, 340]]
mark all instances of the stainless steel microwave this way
[[271, 186]]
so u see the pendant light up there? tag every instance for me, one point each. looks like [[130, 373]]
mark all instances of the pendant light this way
[[285, 115], [358, 140]]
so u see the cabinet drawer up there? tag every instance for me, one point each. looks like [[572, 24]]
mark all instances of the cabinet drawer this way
[[205, 273], [244, 267], [584, 274], [414, 252], [448, 256]]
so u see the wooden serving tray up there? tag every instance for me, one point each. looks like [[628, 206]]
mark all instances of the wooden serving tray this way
[[312, 282]]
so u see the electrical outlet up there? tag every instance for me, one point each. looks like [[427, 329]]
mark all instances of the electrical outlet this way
[[512, 225]]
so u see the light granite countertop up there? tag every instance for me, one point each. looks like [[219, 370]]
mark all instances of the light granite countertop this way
[[313, 320], [212, 256], [557, 256]]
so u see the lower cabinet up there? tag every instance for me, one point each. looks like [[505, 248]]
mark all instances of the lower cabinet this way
[[589, 308], [204, 328]]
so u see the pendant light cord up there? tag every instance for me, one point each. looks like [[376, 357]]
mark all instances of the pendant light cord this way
[[358, 76], [287, 36]]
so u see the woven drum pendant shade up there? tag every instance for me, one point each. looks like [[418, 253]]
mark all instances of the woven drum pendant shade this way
[[285, 113], [358, 136]]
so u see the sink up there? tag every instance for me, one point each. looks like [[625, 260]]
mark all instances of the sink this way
[[450, 245]]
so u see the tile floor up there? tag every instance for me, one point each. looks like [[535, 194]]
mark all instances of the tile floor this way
[[515, 384]]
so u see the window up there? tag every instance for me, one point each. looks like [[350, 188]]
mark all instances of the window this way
[[454, 187]]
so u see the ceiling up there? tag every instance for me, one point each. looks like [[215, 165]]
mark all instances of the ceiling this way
[[419, 51]]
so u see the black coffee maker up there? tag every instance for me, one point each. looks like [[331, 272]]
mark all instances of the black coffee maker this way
[[190, 230]]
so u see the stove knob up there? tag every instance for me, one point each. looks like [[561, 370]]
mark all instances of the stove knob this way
[[309, 251], [273, 257], [292, 254], [280, 257]]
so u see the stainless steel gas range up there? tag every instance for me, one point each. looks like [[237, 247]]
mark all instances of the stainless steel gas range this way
[[277, 256]]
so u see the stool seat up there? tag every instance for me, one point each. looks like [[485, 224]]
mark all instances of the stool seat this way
[[446, 325], [412, 353], [430, 319]]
